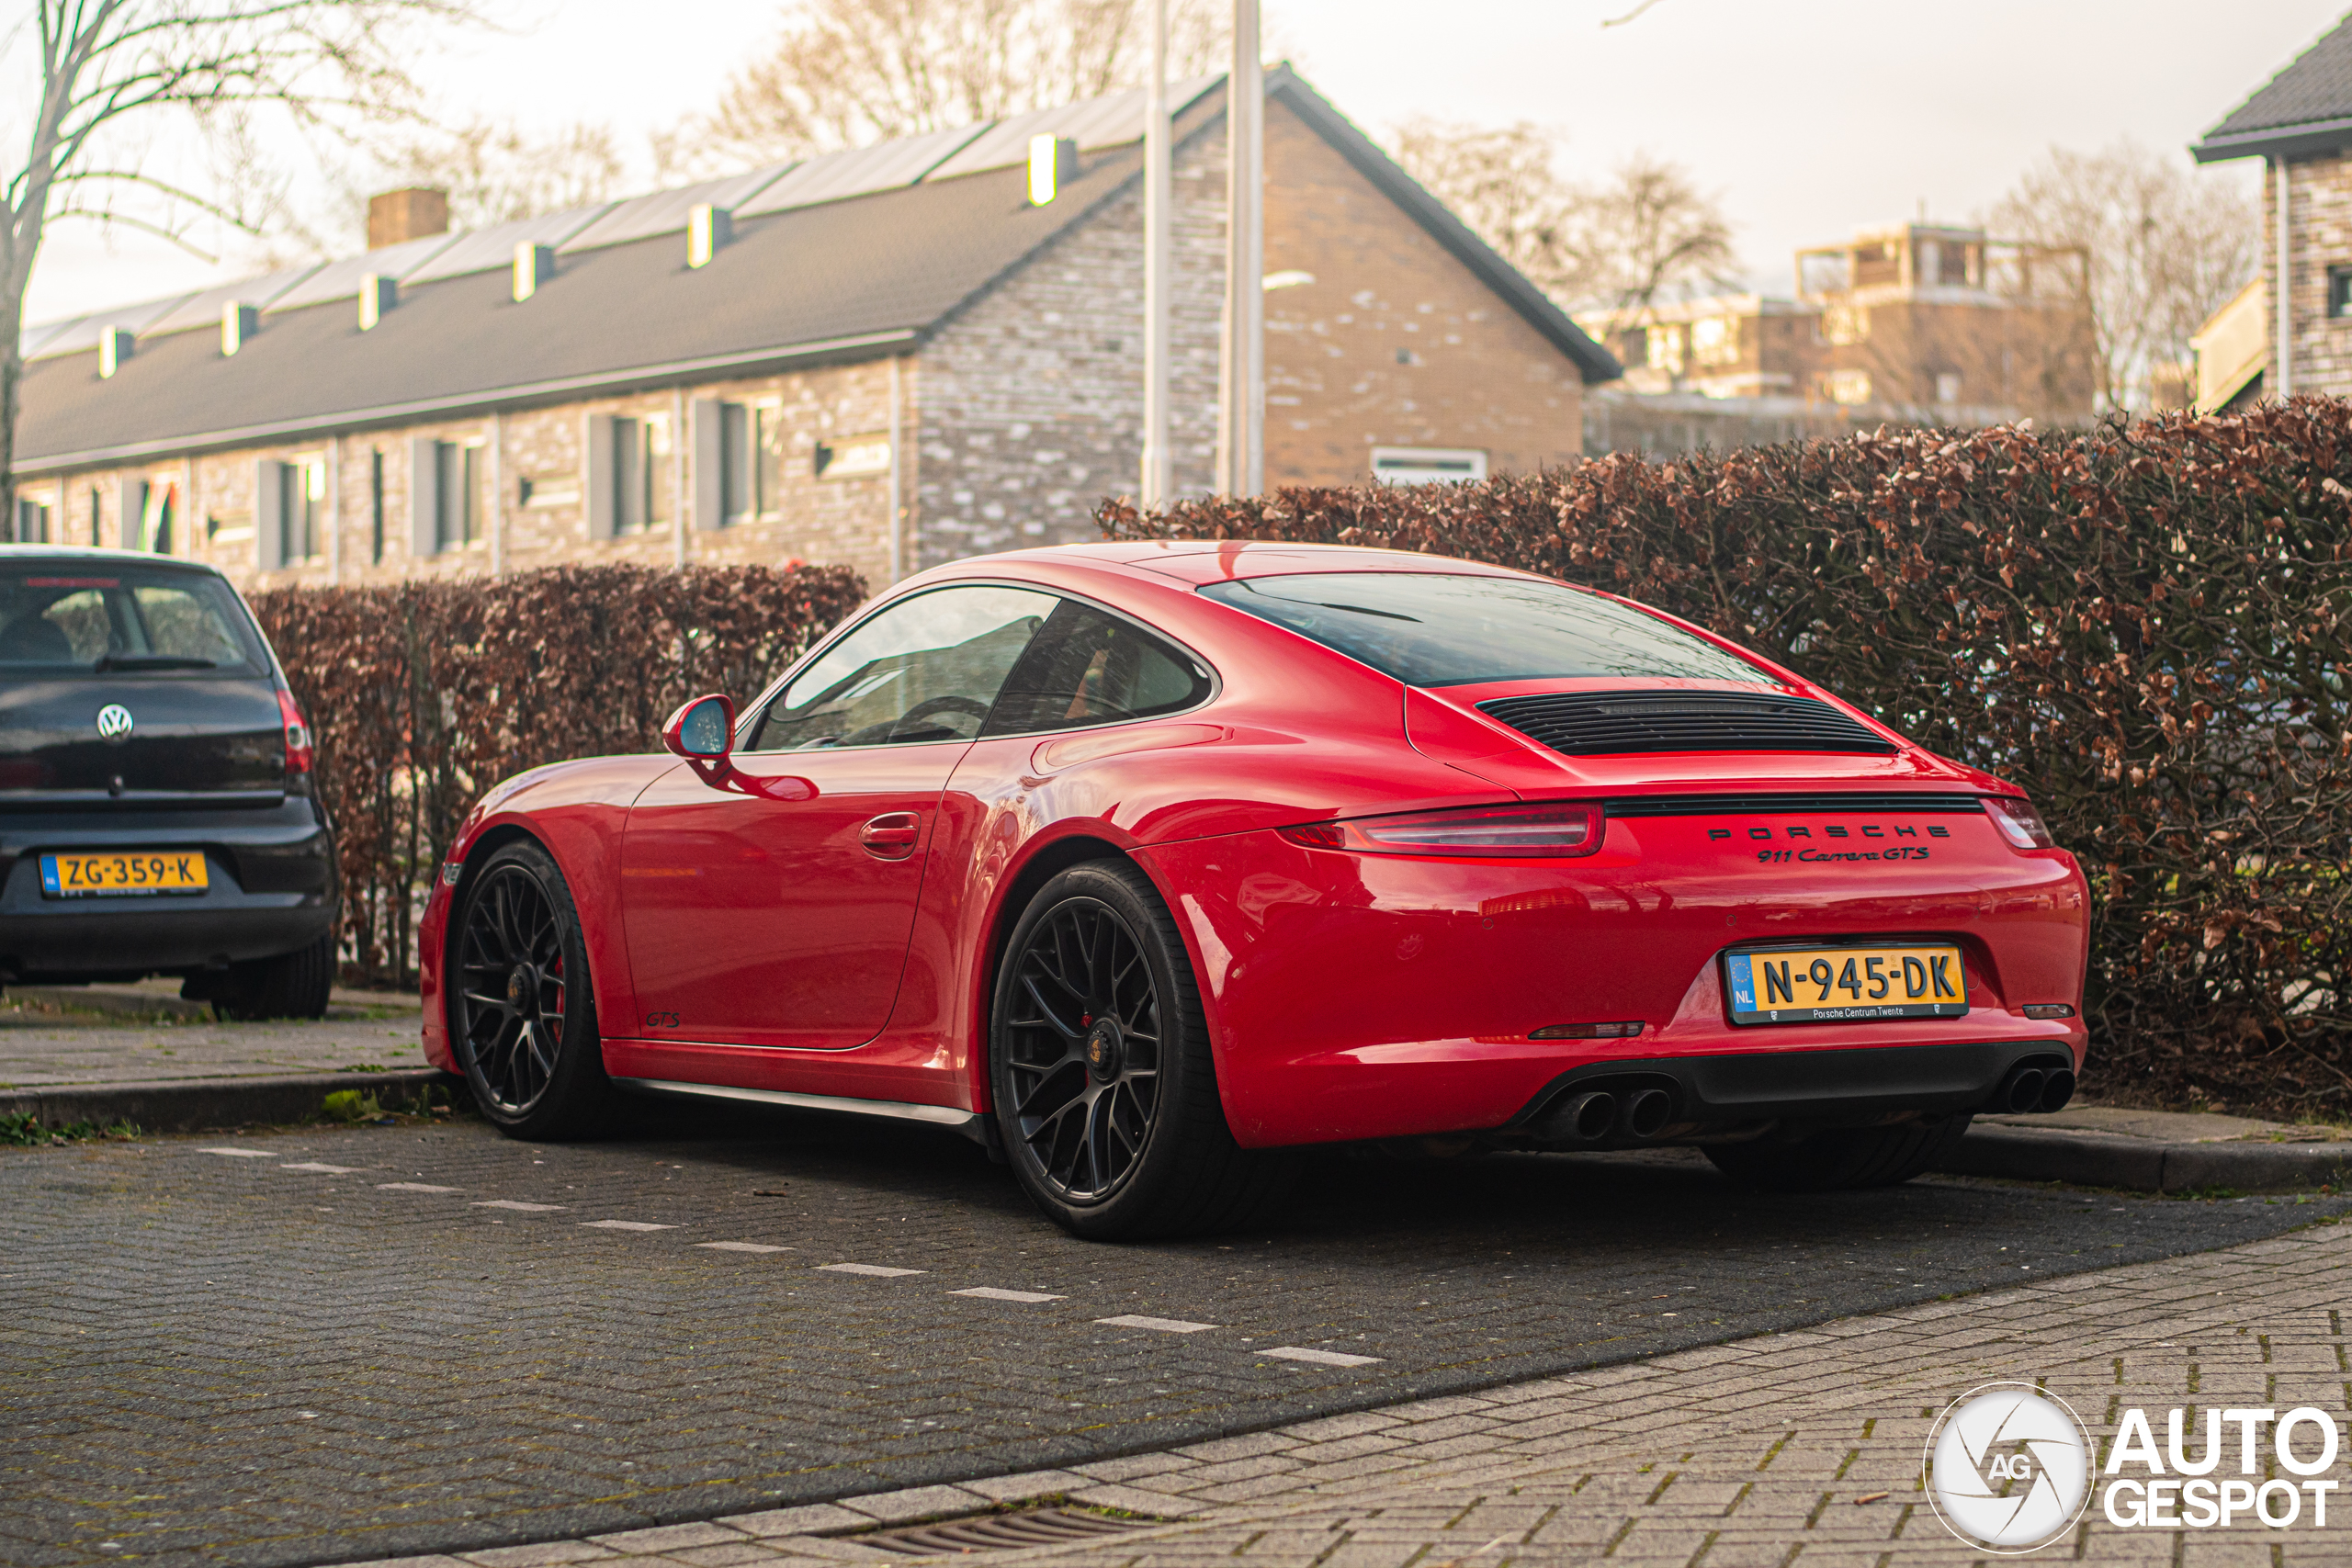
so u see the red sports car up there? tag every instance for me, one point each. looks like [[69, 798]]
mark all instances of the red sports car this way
[[1139, 863]]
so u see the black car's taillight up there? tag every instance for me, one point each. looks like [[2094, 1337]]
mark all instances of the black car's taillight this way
[[299, 752], [1550, 830]]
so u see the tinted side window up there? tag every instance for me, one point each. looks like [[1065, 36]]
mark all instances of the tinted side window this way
[[1089, 668], [928, 668]]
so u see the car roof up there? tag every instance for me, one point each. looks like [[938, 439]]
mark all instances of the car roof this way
[[1199, 561], [92, 553]]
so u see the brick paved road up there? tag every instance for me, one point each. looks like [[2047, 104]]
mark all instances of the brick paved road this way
[[1796, 1449], [41, 1046], [289, 1359]]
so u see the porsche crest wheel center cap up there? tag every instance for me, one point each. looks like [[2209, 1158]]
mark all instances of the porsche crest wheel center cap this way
[[1103, 1044], [519, 987]]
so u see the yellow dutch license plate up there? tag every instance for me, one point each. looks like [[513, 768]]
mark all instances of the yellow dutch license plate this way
[[124, 871], [1844, 983]]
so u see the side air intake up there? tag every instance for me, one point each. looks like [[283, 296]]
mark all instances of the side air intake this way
[[1601, 724]]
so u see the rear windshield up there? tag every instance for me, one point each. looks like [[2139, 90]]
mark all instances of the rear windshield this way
[[66, 617], [1429, 629]]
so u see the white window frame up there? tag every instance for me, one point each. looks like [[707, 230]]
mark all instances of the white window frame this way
[[1427, 464]]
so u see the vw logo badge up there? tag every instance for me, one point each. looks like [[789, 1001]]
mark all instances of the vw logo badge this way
[[114, 722]]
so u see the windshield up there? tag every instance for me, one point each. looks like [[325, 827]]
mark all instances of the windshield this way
[[1429, 629], [64, 616]]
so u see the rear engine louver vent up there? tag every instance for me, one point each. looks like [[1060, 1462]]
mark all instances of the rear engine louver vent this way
[[1602, 724]]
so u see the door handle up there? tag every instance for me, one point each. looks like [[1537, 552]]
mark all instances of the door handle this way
[[891, 836]]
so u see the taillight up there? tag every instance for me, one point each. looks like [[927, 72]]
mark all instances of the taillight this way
[[2019, 823], [1478, 832], [299, 752]]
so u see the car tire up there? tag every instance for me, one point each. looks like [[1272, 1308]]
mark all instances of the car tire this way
[[1841, 1159], [292, 984], [522, 1013], [1112, 1120]]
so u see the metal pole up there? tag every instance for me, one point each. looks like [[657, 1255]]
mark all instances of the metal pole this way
[[2283, 357], [1241, 393], [1157, 173], [897, 480]]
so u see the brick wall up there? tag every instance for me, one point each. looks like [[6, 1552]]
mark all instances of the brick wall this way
[[1033, 395], [2320, 229], [1395, 342]]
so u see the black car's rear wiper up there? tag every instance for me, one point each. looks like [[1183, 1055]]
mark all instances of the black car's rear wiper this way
[[152, 661]]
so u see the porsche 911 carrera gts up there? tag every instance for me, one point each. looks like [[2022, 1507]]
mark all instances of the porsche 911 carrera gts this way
[[1142, 863]]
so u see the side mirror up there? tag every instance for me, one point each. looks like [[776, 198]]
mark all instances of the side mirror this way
[[703, 730]]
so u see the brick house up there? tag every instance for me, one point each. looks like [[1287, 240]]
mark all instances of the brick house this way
[[2299, 125], [886, 357], [1914, 323]]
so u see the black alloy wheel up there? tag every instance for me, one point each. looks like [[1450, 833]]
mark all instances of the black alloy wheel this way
[[1104, 1089], [521, 1016], [1082, 1050]]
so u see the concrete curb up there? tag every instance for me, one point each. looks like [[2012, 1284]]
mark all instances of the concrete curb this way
[[2146, 1164], [184, 1104]]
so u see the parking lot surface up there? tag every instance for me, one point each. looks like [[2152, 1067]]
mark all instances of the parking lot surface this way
[[319, 1347], [43, 1046]]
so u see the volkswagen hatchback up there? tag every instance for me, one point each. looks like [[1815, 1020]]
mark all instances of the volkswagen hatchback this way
[[156, 809]]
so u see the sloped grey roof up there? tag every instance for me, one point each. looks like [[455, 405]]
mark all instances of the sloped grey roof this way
[[2304, 110], [865, 273]]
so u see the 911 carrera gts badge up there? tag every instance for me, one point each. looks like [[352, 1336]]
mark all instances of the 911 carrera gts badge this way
[[114, 723]]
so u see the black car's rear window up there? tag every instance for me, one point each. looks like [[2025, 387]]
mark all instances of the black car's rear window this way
[[1432, 629], [73, 616]]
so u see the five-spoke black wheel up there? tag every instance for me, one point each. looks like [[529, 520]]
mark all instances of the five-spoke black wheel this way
[[522, 1020], [1105, 1092]]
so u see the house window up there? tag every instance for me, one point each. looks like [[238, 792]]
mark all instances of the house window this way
[[32, 522], [660, 486], [1427, 465], [93, 516], [767, 471], [737, 501], [375, 505], [1948, 387], [2339, 291], [1843, 324], [302, 508], [456, 513], [158, 509], [1665, 349], [1847, 385], [1714, 340]]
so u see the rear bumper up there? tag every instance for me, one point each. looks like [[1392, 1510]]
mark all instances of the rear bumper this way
[[274, 889]]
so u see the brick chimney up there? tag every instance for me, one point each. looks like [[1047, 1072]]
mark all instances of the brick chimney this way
[[411, 214]]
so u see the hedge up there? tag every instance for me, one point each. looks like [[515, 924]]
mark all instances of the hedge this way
[[2143, 623], [425, 693]]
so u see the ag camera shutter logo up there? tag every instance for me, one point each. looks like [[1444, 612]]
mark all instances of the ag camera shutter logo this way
[[2008, 1468]]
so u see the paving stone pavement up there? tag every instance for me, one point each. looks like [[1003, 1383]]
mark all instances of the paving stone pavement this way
[[328, 1345], [1786, 1448], [42, 1047]]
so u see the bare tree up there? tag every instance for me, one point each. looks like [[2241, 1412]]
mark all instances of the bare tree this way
[[848, 72], [2167, 249], [1643, 234], [103, 71], [1500, 181], [496, 172]]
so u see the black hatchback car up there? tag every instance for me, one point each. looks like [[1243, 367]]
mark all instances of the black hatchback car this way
[[156, 810]]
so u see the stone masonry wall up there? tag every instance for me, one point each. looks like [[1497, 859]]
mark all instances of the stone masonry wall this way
[[833, 521], [1033, 395]]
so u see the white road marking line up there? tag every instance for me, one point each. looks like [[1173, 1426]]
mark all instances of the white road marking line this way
[[875, 1269], [741, 1246], [1164, 1324], [323, 1169], [1321, 1358], [413, 1187], [990, 1293], [522, 1207], [240, 1154], [622, 1226]]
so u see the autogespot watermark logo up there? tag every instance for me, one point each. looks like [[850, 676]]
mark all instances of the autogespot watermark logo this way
[[2008, 1469]]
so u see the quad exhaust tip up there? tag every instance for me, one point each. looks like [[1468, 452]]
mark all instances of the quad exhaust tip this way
[[1645, 1113], [1589, 1117], [2034, 1089]]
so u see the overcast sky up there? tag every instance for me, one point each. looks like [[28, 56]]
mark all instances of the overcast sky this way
[[1811, 117]]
